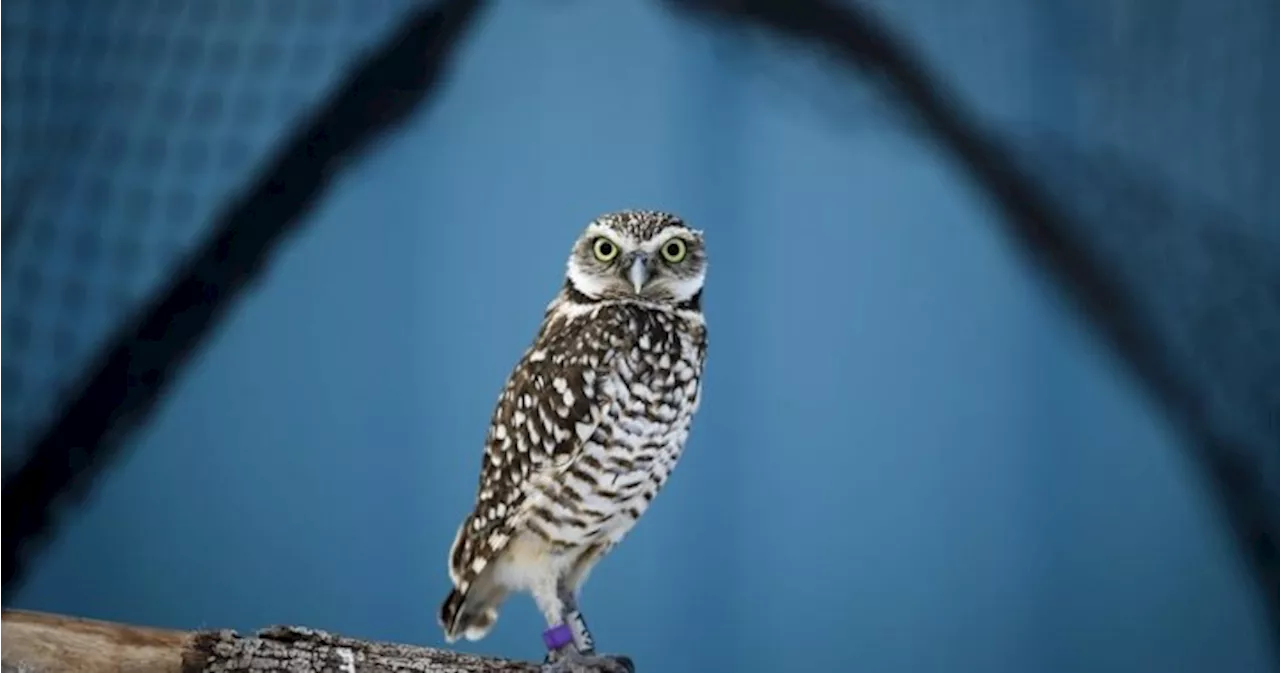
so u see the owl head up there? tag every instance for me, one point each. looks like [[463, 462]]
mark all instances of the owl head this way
[[638, 254]]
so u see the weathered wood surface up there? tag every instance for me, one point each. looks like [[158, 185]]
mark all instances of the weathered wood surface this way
[[36, 642]]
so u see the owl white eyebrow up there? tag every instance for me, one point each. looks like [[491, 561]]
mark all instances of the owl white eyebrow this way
[[616, 237], [659, 242]]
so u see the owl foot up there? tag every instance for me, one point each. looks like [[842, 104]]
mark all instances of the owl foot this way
[[564, 655], [569, 660]]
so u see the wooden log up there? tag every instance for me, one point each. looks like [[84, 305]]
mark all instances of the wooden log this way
[[37, 642]]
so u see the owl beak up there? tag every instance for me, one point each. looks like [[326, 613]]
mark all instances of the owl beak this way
[[639, 272]]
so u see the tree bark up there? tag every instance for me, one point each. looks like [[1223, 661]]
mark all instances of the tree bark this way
[[37, 642]]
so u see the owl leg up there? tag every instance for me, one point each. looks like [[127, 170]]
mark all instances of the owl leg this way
[[582, 567], [570, 646]]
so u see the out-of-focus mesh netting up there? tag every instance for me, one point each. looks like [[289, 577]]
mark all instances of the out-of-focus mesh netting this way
[[127, 124], [1156, 144], [1173, 180]]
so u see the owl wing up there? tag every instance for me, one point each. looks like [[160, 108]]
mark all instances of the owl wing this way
[[552, 404]]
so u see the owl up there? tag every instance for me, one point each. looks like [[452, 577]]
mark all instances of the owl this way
[[588, 428]]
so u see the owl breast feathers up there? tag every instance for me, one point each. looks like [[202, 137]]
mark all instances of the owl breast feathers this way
[[591, 421]]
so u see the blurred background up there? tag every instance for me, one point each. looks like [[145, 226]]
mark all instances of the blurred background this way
[[913, 453]]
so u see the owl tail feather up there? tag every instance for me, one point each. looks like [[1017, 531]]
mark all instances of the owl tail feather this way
[[460, 616]]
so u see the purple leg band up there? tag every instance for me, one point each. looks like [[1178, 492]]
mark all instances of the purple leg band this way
[[557, 637]]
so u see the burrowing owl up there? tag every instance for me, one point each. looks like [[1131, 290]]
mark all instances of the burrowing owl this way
[[588, 428]]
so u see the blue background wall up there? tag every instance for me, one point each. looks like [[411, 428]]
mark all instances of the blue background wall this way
[[911, 457]]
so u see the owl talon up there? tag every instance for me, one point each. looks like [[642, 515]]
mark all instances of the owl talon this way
[[570, 660], [623, 662]]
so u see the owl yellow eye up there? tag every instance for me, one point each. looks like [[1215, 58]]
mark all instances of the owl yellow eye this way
[[605, 249], [674, 250]]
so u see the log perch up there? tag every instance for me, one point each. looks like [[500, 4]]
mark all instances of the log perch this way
[[37, 642]]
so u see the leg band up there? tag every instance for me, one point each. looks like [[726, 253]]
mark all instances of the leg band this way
[[557, 637]]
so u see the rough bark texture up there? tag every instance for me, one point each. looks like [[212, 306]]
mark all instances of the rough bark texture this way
[[35, 642], [298, 649]]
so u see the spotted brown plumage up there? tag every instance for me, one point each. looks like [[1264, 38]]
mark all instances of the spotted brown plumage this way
[[589, 426]]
